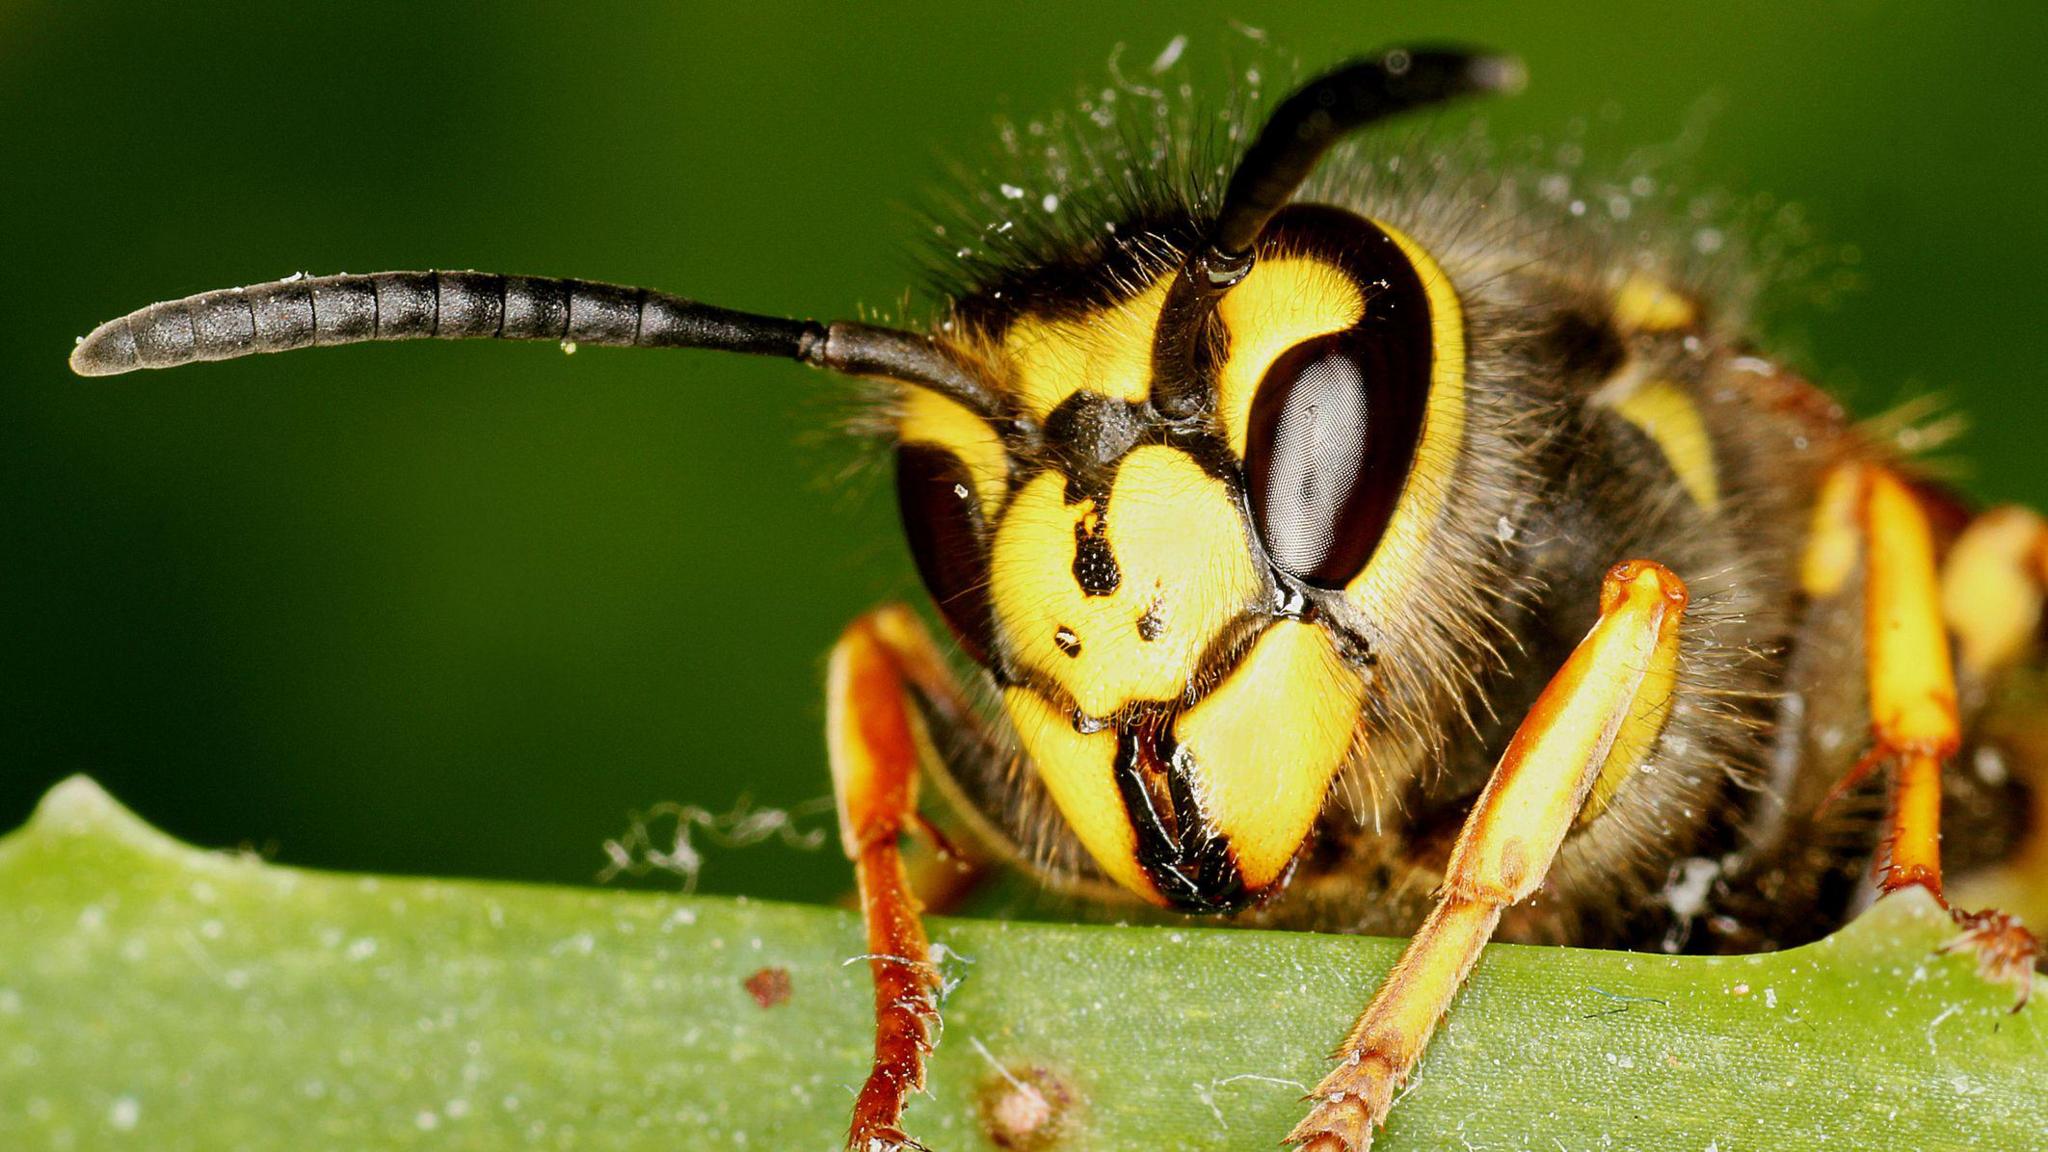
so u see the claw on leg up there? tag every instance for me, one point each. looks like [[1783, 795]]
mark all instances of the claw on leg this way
[[2006, 952]]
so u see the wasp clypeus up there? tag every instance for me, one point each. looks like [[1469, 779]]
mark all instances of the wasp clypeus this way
[[1340, 550]]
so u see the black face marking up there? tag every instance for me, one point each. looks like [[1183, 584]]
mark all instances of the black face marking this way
[[1089, 431], [1190, 866], [1095, 568], [1151, 626], [1066, 641]]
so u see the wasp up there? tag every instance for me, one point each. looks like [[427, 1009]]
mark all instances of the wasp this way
[[1325, 550]]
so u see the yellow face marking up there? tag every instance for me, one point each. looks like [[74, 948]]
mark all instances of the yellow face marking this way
[[1266, 743], [1281, 303], [1186, 571], [1645, 304], [1664, 413], [1108, 353], [1611, 681], [1991, 588], [925, 417], [1377, 589], [1079, 772]]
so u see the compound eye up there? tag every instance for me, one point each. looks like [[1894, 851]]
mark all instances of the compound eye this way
[[1332, 434], [943, 523]]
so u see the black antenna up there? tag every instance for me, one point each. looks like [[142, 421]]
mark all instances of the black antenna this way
[[1301, 130], [319, 311]]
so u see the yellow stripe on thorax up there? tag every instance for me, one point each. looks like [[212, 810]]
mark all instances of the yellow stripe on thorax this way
[[1664, 412], [1646, 304]]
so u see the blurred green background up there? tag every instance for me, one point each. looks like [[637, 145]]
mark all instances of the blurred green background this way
[[458, 609]]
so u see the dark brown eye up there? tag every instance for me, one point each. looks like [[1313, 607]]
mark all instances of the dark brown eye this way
[[1332, 435], [943, 523]]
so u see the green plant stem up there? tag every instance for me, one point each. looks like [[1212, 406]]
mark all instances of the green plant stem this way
[[157, 996]]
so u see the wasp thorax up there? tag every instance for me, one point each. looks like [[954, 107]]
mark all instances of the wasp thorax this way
[[1165, 598]]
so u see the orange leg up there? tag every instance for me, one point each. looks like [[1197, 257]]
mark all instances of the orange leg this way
[[875, 737], [1599, 715], [1913, 717]]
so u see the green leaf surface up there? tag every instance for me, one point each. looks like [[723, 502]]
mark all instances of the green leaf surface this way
[[157, 996]]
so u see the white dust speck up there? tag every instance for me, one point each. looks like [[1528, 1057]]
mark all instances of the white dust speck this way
[[456, 1108], [1686, 889], [1051, 203], [1990, 765], [426, 1121], [1169, 55], [10, 1002], [124, 1114], [1770, 997], [1010, 191], [568, 347], [361, 948], [91, 918]]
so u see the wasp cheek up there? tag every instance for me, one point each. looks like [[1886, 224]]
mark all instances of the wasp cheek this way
[[1263, 747]]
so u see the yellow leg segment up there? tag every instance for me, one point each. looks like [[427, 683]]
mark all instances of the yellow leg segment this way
[[1911, 682], [1607, 702], [1909, 607], [1991, 589], [874, 737]]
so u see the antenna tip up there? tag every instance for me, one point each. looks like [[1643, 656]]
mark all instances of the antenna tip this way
[[107, 350]]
